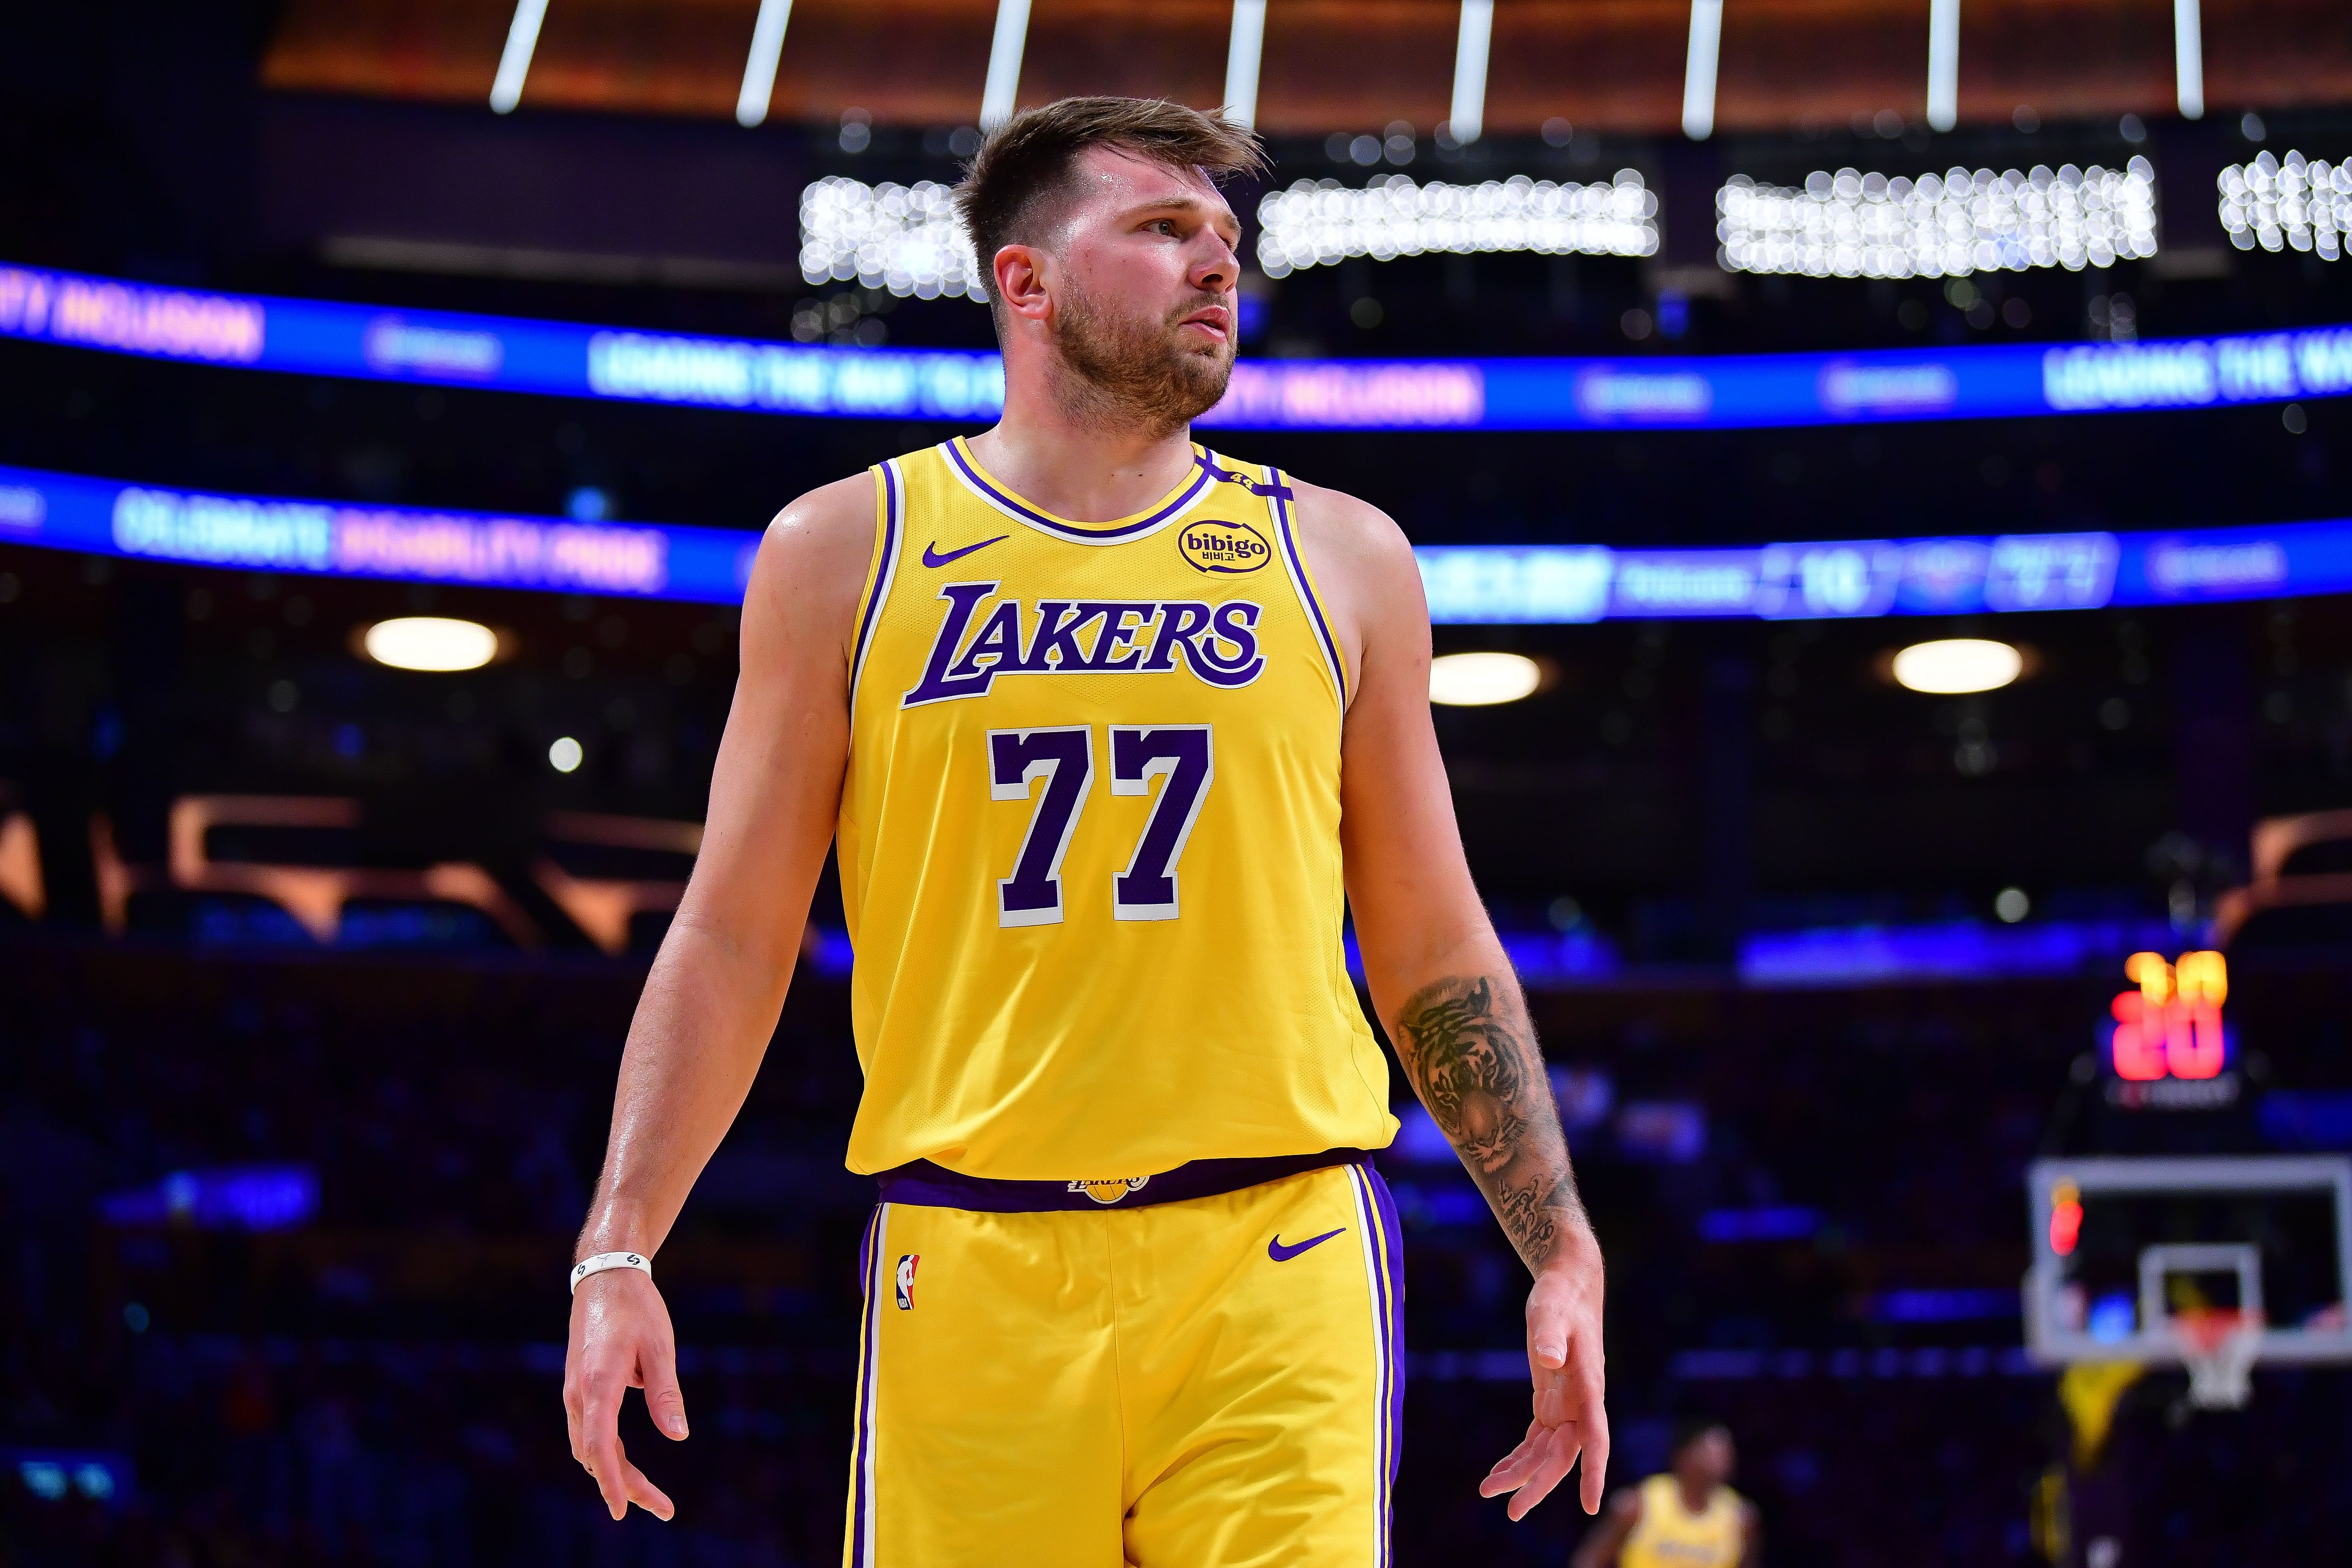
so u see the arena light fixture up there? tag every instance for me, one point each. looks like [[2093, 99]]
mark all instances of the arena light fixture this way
[[1468, 120], [1698, 68], [2301, 203], [438, 643], [1244, 49], [759, 65], [1317, 222], [514, 60], [1943, 64], [1853, 225], [1951, 666], [1481, 679], [905, 238], [565, 754]]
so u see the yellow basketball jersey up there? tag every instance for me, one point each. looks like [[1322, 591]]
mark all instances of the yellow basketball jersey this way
[[1670, 1536], [1089, 840]]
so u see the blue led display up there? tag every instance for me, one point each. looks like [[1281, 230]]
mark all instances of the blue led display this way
[[1468, 585], [1994, 381]]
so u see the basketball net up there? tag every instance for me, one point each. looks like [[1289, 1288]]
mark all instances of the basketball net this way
[[2220, 1347]]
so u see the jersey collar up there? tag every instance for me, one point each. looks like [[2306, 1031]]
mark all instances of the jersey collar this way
[[977, 479]]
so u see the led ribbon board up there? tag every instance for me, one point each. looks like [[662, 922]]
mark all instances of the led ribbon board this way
[[1475, 585], [1728, 391]]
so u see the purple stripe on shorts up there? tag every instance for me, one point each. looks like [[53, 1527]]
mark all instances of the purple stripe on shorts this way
[[1191, 493], [860, 1549], [1376, 1254], [1392, 1260]]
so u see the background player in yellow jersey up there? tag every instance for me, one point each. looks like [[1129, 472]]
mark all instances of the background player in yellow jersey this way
[[1112, 731], [1688, 1517]]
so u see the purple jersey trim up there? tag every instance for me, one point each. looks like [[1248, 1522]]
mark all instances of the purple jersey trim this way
[[1091, 534], [1280, 493], [923, 1185], [885, 561]]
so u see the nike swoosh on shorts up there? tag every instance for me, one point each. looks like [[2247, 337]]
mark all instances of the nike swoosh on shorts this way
[[932, 558], [1281, 1254]]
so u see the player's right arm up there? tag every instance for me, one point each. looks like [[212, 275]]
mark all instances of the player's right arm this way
[[1604, 1542], [712, 997]]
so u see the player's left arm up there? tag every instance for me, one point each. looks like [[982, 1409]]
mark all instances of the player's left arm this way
[[1442, 985], [1751, 1537]]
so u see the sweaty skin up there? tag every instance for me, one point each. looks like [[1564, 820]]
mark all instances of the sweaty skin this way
[[1115, 327]]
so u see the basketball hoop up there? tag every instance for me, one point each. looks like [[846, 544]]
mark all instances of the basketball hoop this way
[[2220, 1347]]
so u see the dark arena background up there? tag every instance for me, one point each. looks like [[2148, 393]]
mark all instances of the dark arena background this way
[[1714, 355]]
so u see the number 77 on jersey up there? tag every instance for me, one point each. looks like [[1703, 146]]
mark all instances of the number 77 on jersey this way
[[1062, 758]]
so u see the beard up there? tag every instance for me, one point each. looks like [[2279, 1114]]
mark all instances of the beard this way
[[1127, 371]]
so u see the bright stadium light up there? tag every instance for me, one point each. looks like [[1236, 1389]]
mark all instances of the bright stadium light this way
[[2188, 58], [1321, 222], [1953, 666], [759, 65], [1245, 47], [1481, 679], [2301, 203], [514, 60], [1468, 120], [905, 238], [1853, 225], [1698, 68], [431, 643], [566, 754], [998, 93], [1943, 64]]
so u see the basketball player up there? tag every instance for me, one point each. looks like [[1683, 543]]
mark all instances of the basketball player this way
[[1689, 1518], [1110, 730]]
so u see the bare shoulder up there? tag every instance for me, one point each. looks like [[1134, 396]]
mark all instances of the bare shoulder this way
[[813, 558], [1342, 528], [1364, 565], [828, 527], [1625, 1504]]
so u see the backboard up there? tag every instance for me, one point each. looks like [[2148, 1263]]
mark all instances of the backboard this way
[[2124, 1248]]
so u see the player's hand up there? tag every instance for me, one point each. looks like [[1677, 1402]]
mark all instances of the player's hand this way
[[1564, 1360], [621, 1339]]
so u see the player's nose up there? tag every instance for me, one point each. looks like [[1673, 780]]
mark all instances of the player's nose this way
[[1215, 266]]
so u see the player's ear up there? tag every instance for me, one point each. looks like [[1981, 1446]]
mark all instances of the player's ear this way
[[1024, 278]]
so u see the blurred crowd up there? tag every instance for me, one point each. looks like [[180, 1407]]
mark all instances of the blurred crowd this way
[[370, 1373]]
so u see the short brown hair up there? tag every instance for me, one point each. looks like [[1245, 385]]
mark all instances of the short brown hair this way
[[1009, 186]]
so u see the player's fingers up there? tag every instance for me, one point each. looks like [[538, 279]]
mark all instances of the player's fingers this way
[[1582, 1395], [1559, 1455], [664, 1401], [647, 1495], [1512, 1467], [609, 1464], [1594, 1427], [1548, 1332]]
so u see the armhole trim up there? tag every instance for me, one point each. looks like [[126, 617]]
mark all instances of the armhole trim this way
[[1294, 560], [889, 530]]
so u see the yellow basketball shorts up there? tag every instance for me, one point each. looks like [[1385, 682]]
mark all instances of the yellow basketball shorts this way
[[1211, 1383]]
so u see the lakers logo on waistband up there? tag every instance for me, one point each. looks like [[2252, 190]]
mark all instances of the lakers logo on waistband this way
[[1110, 1191], [1227, 549]]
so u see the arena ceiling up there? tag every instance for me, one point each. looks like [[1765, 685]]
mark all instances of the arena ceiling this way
[[1611, 66]]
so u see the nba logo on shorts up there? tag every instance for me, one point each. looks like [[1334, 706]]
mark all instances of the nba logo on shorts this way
[[907, 1280]]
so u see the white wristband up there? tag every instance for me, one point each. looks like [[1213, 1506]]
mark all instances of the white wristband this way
[[604, 1260]]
